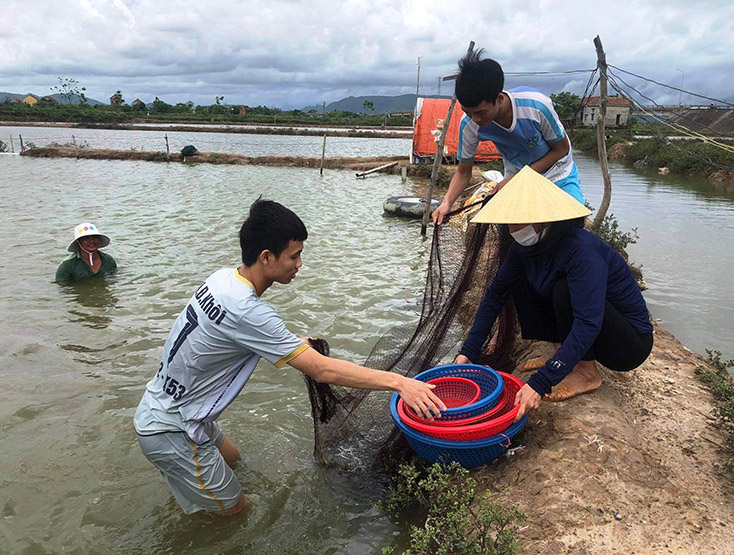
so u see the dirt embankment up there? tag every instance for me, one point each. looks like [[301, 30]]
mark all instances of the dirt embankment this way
[[337, 162], [240, 129], [627, 469]]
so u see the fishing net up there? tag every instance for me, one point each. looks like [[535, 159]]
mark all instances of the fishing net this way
[[353, 430]]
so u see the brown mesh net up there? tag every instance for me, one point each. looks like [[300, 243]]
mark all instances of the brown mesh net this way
[[353, 430]]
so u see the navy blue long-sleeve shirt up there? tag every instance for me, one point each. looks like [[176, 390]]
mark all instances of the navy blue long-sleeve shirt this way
[[595, 273]]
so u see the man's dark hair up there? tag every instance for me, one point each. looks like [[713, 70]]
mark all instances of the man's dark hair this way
[[270, 226], [478, 80]]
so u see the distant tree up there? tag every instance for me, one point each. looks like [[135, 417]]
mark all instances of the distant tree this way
[[566, 105], [161, 107], [218, 99], [68, 88], [117, 99], [368, 105]]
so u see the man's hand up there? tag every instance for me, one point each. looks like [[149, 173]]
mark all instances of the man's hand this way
[[440, 213], [528, 400], [461, 359], [420, 398]]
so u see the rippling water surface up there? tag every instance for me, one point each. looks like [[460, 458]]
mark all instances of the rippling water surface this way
[[233, 143], [74, 360]]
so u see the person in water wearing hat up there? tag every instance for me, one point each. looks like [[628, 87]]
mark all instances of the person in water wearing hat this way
[[211, 352], [86, 259], [521, 123], [569, 288]]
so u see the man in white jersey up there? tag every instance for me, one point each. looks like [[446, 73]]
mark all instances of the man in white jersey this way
[[212, 350], [522, 124]]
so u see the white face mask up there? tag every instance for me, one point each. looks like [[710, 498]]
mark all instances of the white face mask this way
[[527, 236]]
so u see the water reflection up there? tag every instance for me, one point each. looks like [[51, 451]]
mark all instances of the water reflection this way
[[91, 302]]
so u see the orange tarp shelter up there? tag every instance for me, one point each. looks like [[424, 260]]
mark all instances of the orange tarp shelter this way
[[430, 113]]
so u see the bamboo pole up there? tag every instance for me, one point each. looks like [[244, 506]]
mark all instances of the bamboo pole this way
[[373, 170], [21, 142], [12, 147], [168, 150], [323, 153], [438, 158], [601, 141]]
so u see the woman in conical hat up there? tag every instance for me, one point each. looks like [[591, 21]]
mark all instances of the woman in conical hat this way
[[569, 288]]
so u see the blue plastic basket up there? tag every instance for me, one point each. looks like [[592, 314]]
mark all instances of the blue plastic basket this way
[[469, 454], [490, 385]]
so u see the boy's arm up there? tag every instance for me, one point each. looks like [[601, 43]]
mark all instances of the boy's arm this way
[[558, 150], [458, 184], [416, 394]]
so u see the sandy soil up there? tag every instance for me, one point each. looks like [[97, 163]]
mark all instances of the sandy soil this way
[[627, 469]]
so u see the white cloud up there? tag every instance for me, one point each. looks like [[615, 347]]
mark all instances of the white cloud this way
[[293, 53]]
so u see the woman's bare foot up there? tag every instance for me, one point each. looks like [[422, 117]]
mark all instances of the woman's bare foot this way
[[532, 364], [584, 378]]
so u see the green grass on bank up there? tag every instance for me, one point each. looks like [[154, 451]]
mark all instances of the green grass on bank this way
[[682, 157], [716, 377], [458, 518], [102, 114]]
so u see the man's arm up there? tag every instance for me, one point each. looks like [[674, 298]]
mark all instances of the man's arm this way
[[458, 184], [558, 150], [416, 394]]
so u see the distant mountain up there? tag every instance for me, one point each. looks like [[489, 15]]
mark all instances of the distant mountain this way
[[402, 103], [61, 100]]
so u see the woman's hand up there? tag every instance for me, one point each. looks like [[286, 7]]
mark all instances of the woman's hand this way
[[420, 398], [528, 400], [461, 359]]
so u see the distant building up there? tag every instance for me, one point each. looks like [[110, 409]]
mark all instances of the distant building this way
[[618, 111], [30, 99], [191, 105], [243, 110], [138, 103], [116, 99]]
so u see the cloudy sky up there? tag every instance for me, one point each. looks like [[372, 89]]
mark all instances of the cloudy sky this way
[[290, 53]]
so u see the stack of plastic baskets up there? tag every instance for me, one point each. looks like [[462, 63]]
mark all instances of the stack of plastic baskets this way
[[473, 431]]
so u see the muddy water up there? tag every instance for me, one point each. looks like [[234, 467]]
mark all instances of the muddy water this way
[[248, 145], [74, 360]]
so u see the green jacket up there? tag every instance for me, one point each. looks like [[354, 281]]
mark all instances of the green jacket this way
[[74, 268]]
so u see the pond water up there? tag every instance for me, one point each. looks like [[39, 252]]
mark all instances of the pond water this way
[[232, 143], [74, 360]]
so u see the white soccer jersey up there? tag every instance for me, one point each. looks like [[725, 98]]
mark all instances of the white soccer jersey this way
[[209, 355]]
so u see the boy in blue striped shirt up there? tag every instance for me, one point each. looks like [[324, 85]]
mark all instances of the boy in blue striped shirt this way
[[522, 124]]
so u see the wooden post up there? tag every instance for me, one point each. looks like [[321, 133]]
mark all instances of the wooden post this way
[[168, 150], [73, 140], [404, 173], [438, 158], [12, 148], [601, 140], [323, 153], [21, 142], [373, 170]]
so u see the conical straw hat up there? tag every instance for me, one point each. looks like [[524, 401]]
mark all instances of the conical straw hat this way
[[530, 198]]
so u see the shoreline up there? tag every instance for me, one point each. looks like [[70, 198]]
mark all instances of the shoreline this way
[[245, 129]]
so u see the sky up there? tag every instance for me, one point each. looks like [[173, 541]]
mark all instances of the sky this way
[[291, 54]]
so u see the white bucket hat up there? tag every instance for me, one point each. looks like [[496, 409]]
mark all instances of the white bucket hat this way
[[86, 230]]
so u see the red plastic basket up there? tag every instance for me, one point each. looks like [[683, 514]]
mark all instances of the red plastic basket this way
[[475, 430], [438, 421], [455, 391]]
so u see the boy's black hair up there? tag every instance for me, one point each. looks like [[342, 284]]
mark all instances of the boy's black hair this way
[[478, 80], [270, 226]]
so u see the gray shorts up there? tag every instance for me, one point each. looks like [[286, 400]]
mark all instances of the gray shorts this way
[[197, 474]]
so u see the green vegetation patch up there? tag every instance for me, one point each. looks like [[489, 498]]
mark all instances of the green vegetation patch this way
[[458, 519], [716, 377]]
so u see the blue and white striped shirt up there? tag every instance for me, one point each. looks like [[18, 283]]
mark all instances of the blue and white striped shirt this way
[[535, 124]]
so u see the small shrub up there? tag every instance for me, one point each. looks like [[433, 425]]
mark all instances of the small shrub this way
[[717, 379], [608, 231], [3, 147], [459, 520]]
